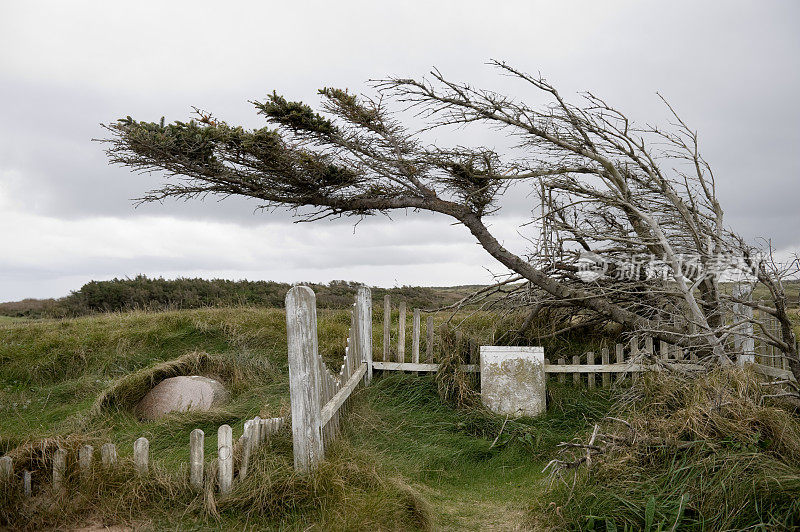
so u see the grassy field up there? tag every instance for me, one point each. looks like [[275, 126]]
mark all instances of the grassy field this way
[[406, 460]]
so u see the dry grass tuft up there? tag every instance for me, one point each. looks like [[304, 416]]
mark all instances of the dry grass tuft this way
[[702, 453]]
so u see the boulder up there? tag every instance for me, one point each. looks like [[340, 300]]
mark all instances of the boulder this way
[[181, 394]]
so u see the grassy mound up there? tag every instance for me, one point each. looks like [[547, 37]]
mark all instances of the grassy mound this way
[[701, 454]]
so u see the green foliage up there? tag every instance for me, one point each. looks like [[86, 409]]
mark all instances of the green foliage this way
[[297, 116]]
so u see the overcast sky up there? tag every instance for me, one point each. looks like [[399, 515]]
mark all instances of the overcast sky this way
[[66, 217]]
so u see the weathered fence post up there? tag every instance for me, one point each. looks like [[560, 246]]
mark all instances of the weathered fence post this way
[[744, 340], [304, 380], [85, 461], [401, 333], [591, 375], [141, 455], [620, 358], [245, 463], [6, 469], [225, 457], [429, 342], [364, 327], [59, 469], [197, 453], [108, 455], [387, 331], [604, 360], [561, 376], [26, 483], [576, 377], [415, 337]]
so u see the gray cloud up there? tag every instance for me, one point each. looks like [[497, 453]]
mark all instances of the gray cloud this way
[[729, 67]]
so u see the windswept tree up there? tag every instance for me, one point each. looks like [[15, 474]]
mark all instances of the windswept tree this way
[[632, 230]]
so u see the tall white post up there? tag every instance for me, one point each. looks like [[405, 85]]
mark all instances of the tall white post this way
[[304, 379], [364, 327], [141, 455], [225, 458], [197, 453]]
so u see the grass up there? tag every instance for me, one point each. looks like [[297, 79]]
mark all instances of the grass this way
[[406, 459]]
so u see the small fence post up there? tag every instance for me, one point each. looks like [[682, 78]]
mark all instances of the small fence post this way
[[364, 327], [620, 358], [561, 376], [387, 324], [26, 483], [401, 333], [576, 377], [604, 360], [591, 374], [304, 379], [85, 461], [141, 455], [225, 457], [245, 463], [59, 468], [6, 469], [197, 452], [415, 337], [429, 343], [108, 455]]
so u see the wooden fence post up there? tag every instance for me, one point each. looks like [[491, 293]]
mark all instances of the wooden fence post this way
[[245, 462], [561, 376], [591, 375], [576, 377], [304, 379], [605, 360], [108, 455], [620, 358], [429, 342], [401, 333], [387, 324], [59, 469], [460, 346], [85, 462], [415, 337], [225, 457], [26, 483], [197, 452], [141, 455], [6, 469], [364, 328]]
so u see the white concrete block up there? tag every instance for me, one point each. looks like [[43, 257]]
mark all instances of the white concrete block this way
[[513, 380]]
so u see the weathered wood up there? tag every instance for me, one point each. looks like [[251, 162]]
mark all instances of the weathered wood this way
[[225, 458], [6, 469], [141, 455], [635, 354], [628, 367], [401, 333], [304, 381], [85, 462], [26, 483], [663, 349], [408, 366], [244, 462], [590, 375], [429, 343], [387, 324], [364, 327], [604, 359], [341, 396], [561, 376], [415, 337], [258, 431], [576, 377], [474, 354], [648, 345], [619, 356], [197, 451], [59, 469], [108, 455]]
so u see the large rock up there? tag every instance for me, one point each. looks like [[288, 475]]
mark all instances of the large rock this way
[[181, 394]]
